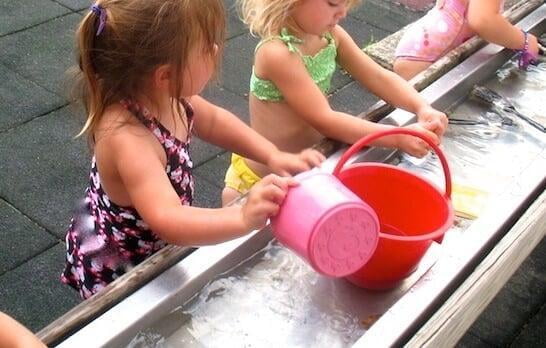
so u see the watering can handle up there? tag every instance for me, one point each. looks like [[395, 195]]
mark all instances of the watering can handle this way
[[359, 145]]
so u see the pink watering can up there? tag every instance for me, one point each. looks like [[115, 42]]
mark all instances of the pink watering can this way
[[331, 221], [327, 225]]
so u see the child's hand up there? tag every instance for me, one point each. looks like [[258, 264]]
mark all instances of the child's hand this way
[[264, 200], [432, 119], [286, 164], [415, 146]]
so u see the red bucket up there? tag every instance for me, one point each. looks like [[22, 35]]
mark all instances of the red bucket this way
[[412, 212]]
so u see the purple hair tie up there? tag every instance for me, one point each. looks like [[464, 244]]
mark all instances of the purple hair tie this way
[[101, 12]]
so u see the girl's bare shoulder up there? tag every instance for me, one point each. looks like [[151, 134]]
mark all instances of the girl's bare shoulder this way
[[120, 132], [117, 121], [271, 50], [339, 34], [274, 56]]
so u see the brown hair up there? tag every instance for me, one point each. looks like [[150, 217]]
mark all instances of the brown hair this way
[[138, 36]]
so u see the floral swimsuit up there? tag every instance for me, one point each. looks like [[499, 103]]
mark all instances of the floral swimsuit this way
[[105, 240]]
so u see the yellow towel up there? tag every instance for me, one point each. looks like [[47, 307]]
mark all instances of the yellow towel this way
[[468, 201]]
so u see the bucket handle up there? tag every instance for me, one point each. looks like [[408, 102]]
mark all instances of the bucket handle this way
[[359, 145]]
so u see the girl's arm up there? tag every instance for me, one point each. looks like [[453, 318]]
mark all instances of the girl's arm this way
[[142, 174], [220, 127], [486, 20], [15, 335], [384, 83], [286, 70]]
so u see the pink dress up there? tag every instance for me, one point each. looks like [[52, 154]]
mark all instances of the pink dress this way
[[442, 29]]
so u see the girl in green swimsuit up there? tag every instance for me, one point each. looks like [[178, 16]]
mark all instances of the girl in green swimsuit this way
[[293, 66]]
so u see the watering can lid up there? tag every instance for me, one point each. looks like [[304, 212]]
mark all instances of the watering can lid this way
[[344, 240]]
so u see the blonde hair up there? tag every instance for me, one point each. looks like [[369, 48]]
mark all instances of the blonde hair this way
[[139, 36], [265, 18]]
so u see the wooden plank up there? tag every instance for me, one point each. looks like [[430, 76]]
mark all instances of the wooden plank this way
[[452, 320], [109, 296]]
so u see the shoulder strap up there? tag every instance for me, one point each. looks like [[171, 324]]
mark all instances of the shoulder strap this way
[[330, 38], [157, 129], [288, 39], [143, 115], [188, 109]]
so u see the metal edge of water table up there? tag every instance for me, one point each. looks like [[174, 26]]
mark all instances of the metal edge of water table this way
[[451, 321], [404, 319]]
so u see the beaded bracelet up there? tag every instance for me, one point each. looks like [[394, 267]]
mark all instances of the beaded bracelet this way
[[524, 56], [525, 41]]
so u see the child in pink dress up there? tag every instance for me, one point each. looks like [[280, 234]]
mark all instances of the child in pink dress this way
[[452, 22]]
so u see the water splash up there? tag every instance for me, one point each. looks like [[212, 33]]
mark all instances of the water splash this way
[[279, 301]]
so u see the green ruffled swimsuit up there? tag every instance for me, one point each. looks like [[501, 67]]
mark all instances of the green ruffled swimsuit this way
[[321, 67]]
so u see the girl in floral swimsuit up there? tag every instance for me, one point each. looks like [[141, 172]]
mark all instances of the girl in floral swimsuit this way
[[452, 22], [293, 66], [142, 64], [104, 239]]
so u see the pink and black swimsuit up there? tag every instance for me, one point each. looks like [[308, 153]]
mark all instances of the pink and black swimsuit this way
[[105, 240]]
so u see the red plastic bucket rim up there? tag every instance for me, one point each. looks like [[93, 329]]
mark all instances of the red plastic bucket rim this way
[[432, 235], [359, 145], [435, 235]]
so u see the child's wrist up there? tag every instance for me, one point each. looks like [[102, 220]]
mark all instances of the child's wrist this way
[[422, 110], [272, 156], [525, 55], [235, 220], [525, 47], [391, 141], [243, 225]]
